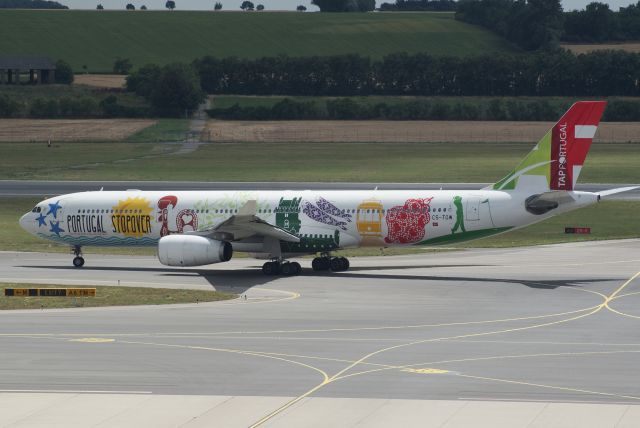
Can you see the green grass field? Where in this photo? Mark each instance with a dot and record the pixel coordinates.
(109, 296)
(164, 131)
(380, 162)
(96, 39)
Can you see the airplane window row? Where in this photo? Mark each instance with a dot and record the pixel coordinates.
(235, 211)
(107, 211)
(111, 211)
(373, 211)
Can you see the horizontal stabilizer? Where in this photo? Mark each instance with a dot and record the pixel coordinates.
(609, 192)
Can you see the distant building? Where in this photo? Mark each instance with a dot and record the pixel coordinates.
(40, 69)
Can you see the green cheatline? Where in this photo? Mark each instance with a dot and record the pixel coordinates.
(464, 236)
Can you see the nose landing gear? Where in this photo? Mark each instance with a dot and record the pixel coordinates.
(78, 260)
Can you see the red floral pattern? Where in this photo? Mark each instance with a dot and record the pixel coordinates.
(406, 223)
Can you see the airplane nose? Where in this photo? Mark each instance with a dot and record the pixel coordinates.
(24, 221)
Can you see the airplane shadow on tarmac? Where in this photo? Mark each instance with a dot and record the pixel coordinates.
(240, 280)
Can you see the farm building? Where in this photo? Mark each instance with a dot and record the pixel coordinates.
(40, 69)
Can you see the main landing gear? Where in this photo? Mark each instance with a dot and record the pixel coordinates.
(278, 267)
(78, 260)
(336, 264)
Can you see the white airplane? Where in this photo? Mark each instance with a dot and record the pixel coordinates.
(194, 228)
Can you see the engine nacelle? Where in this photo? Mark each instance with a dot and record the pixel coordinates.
(192, 250)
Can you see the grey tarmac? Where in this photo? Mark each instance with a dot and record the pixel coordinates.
(52, 188)
(542, 336)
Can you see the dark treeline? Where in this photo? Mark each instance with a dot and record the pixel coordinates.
(345, 5)
(536, 24)
(172, 90)
(31, 4)
(68, 107)
(542, 73)
(533, 24)
(419, 5)
(598, 23)
(351, 109)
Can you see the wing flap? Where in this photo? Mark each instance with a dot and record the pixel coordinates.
(246, 224)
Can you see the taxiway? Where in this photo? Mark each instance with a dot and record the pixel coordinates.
(526, 337)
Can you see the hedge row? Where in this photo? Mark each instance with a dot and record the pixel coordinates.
(80, 107)
(351, 109)
(557, 73)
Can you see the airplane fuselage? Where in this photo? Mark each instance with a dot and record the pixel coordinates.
(323, 220)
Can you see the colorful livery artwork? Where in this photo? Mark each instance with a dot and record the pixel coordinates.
(194, 228)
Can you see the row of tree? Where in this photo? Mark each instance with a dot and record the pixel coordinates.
(172, 90)
(246, 5)
(354, 109)
(420, 6)
(536, 24)
(345, 5)
(31, 4)
(542, 73)
(68, 107)
(598, 23)
(532, 24)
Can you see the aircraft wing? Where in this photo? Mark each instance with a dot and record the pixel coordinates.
(244, 225)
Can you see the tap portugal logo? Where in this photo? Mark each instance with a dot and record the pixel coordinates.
(562, 156)
(132, 217)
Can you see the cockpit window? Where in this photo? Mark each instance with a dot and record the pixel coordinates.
(36, 210)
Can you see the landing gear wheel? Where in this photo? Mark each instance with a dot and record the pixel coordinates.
(290, 268)
(271, 268)
(346, 263)
(78, 261)
(339, 264)
(286, 269)
(296, 268)
(321, 263)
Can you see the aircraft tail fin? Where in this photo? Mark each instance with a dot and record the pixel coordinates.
(555, 162)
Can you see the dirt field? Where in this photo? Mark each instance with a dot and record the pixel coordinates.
(17, 130)
(111, 81)
(400, 131)
(584, 48)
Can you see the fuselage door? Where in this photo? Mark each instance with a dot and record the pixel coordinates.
(473, 209)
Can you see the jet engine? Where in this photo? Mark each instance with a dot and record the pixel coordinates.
(192, 250)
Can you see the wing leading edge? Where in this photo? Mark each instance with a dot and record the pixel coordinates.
(245, 225)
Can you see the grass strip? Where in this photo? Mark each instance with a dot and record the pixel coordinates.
(357, 162)
(109, 296)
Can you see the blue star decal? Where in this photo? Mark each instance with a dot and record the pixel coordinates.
(53, 209)
(55, 228)
(42, 220)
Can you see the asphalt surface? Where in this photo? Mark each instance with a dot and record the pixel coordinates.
(52, 188)
(551, 323)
